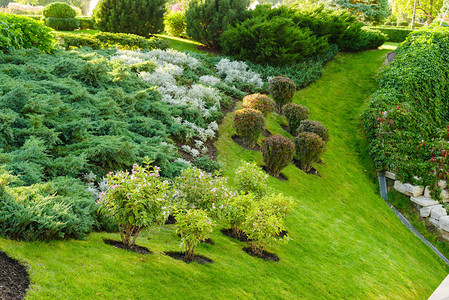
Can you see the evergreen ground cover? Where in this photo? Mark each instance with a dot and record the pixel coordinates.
(345, 241)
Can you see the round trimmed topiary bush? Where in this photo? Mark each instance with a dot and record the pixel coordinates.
(60, 16)
(278, 152)
(249, 123)
(315, 127)
(309, 148)
(259, 102)
(282, 89)
(141, 17)
(294, 114)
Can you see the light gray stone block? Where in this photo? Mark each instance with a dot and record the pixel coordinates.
(408, 189)
(423, 201)
(444, 223)
(390, 175)
(425, 211)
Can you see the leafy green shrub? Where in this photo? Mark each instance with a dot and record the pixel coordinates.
(259, 102)
(59, 10)
(249, 124)
(394, 34)
(206, 20)
(309, 147)
(315, 127)
(194, 226)
(64, 24)
(199, 189)
(135, 201)
(20, 32)
(86, 23)
(263, 226)
(104, 40)
(141, 17)
(175, 23)
(277, 152)
(358, 39)
(249, 178)
(235, 211)
(295, 114)
(274, 41)
(207, 164)
(282, 89)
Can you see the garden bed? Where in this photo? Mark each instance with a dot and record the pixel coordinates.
(14, 278)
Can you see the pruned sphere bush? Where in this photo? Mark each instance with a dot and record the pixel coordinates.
(309, 148)
(295, 114)
(259, 102)
(277, 152)
(282, 89)
(249, 124)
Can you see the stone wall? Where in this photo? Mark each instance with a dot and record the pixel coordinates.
(428, 208)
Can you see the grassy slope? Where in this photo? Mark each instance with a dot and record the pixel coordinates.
(345, 241)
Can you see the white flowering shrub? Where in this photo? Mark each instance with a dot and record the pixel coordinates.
(236, 72)
(209, 80)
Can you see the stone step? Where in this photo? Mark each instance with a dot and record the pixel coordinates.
(408, 189)
(424, 201)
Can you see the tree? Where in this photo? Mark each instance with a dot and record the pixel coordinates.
(367, 11)
(427, 9)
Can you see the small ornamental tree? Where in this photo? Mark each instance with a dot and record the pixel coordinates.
(199, 189)
(282, 89)
(294, 114)
(315, 127)
(259, 102)
(263, 227)
(194, 226)
(235, 211)
(141, 17)
(207, 19)
(309, 147)
(135, 201)
(249, 123)
(60, 16)
(278, 152)
(249, 178)
(175, 23)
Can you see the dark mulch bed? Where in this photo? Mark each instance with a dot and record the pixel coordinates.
(283, 233)
(14, 278)
(208, 49)
(136, 248)
(209, 241)
(281, 176)
(391, 56)
(170, 220)
(266, 256)
(286, 128)
(242, 238)
(266, 133)
(312, 171)
(181, 256)
(239, 141)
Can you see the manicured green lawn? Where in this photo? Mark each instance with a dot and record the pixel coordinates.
(86, 31)
(389, 46)
(180, 44)
(346, 243)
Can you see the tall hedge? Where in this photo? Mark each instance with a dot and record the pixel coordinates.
(207, 19)
(141, 17)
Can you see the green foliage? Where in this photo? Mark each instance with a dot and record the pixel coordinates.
(135, 201)
(103, 40)
(309, 147)
(59, 10)
(194, 226)
(235, 211)
(263, 225)
(282, 89)
(275, 41)
(206, 20)
(406, 118)
(86, 23)
(250, 179)
(82, 5)
(141, 17)
(259, 102)
(199, 189)
(64, 24)
(367, 11)
(315, 127)
(295, 114)
(356, 39)
(20, 32)
(175, 23)
(249, 124)
(394, 34)
(277, 152)
(207, 164)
